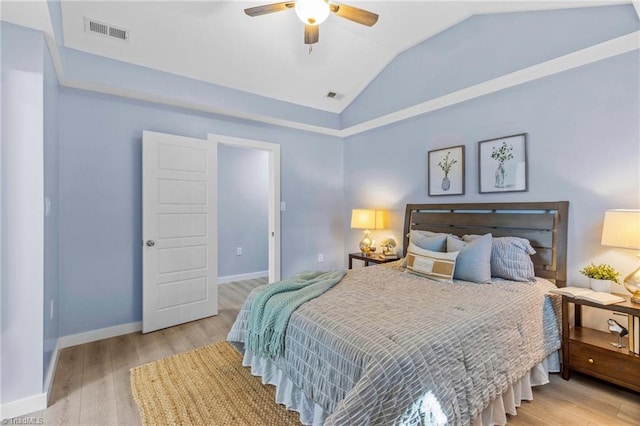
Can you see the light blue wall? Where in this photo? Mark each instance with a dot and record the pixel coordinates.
(51, 185)
(243, 210)
(93, 69)
(100, 155)
(100, 193)
(583, 147)
(482, 48)
(22, 53)
(567, 116)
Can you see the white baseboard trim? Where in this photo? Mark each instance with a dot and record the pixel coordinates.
(250, 276)
(37, 402)
(51, 370)
(102, 333)
(24, 406)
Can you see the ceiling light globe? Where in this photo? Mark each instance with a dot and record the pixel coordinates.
(312, 12)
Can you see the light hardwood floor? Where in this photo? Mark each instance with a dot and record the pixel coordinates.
(91, 385)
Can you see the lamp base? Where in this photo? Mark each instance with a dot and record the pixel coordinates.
(632, 284)
(366, 244)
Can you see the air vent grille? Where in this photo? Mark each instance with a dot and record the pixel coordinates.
(118, 33)
(333, 95)
(96, 27)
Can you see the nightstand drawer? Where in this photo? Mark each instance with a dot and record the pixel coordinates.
(590, 352)
(615, 366)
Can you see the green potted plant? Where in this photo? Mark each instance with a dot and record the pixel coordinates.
(601, 276)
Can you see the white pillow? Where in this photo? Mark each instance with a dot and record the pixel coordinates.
(432, 264)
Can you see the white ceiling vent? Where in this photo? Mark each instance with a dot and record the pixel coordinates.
(96, 27)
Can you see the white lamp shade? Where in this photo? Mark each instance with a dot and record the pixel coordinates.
(312, 12)
(368, 219)
(621, 229)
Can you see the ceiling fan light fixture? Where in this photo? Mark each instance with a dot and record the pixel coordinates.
(312, 12)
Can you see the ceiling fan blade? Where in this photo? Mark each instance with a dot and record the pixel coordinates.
(311, 34)
(269, 8)
(354, 14)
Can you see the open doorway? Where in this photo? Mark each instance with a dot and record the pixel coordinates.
(243, 214)
(248, 208)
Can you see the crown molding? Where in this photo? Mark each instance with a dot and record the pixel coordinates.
(614, 47)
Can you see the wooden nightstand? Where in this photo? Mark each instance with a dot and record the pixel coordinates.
(373, 258)
(589, 351)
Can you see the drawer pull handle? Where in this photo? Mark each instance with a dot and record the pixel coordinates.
(590, 360)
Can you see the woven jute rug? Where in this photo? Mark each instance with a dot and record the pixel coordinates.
(206, 386)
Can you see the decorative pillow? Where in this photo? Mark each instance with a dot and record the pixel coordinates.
(474, 261)
(510, 258)
(431, 264)
(429, 240)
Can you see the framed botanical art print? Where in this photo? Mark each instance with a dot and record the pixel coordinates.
(445, 174)
(502, 164)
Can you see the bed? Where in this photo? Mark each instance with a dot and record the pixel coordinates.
(387, 347)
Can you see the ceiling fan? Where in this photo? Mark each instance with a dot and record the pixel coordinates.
(314, 12)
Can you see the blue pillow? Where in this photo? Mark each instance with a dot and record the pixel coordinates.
(474, 261)
(429, 240)
(510, 258)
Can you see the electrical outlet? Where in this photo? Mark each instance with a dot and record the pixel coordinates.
(47, 206)
(51, 309)
(283, 206)
(239, 251)
(321, 258)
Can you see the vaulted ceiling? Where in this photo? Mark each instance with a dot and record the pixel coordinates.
(216, 42)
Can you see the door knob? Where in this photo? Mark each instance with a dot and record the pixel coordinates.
(151, 243)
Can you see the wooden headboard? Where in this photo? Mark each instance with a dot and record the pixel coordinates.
(542, 223)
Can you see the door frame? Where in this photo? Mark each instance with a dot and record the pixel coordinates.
(273, 150)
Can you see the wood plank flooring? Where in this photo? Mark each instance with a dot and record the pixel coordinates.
(91, 385)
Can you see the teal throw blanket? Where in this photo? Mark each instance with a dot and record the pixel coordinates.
(272, 307)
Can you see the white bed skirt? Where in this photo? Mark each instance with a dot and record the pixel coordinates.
(312, 414)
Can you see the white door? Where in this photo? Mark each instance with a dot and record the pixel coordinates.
(179, 230)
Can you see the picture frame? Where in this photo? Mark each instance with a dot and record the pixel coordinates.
(445, 171)
(503, 165)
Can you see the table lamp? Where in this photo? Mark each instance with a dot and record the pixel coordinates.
(622, 229)
(367, 219)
